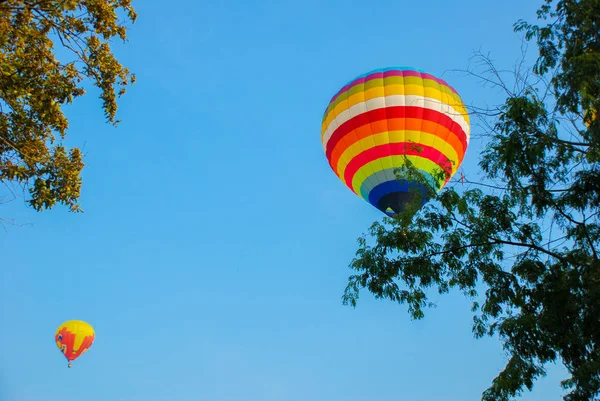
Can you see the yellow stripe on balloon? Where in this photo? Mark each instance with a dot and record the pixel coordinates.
(408, 81)
(387, 137)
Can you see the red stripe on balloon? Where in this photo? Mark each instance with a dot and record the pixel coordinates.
(394, 112)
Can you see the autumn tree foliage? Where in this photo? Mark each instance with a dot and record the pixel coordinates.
(35, 84)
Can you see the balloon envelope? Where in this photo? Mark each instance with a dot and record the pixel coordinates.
(379, 118)
(73, 338)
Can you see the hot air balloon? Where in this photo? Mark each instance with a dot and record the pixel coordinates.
(379, 120)
(73, 338)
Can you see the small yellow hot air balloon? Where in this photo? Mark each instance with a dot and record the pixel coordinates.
(73, 338)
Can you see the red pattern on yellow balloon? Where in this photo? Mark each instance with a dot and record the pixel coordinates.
(73, 338)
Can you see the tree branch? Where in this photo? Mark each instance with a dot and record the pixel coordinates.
(507, 242)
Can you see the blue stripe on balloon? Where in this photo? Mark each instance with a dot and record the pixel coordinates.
(389, 187)
(399, 68)
(383, 176)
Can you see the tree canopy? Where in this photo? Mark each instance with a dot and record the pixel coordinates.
(524, 245)
(34, 84)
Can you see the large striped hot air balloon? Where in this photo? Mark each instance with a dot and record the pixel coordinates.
(73, 338)
(382, 116)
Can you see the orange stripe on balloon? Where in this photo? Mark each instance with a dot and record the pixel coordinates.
(379, 117)
(397, 124)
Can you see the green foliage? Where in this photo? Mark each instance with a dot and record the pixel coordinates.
(526, 251)
(34, 84)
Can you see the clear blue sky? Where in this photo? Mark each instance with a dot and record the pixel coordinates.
(215, 243)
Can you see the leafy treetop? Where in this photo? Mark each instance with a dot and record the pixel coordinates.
(34, 84)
